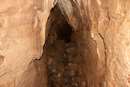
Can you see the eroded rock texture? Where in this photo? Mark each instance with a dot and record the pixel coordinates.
(100, 29)
(22, 36)
(107, 23)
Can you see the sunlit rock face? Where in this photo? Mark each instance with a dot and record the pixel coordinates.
(22, 36)
(100, 27)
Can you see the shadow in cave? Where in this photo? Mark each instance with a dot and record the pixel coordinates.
(65, 33)
(57, 26)
(63, 61)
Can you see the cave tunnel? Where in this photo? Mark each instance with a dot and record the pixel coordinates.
(64, 62)
(64, 43)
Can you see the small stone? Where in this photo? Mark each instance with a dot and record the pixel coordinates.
(72, 50)
(72, 73)
(49, 61)
(59, 74)
(75, 85)
(73, 65)
(83, 84)
(54, 70)
(70, 44)
(51, 39)
(65, 55)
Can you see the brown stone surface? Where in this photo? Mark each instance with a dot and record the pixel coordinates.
(101, 29)
(22, 36)
(107, 21)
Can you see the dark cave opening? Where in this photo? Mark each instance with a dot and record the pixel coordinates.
(57, 26)
(65, 33)
(64, 63)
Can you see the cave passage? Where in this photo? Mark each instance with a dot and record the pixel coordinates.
(63, 61)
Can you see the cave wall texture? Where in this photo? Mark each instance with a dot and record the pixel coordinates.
(101, 29)
(22, 36)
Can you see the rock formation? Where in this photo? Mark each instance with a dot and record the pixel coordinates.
(100, 29)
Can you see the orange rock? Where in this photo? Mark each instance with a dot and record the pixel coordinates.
(1, 22)
(1, 59)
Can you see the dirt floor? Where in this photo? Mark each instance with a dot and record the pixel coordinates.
(64, 65)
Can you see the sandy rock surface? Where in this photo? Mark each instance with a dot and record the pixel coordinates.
(22, 36)
(100, 29)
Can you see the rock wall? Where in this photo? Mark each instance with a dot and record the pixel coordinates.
(107, 23)
(101, 29)
(22, 36)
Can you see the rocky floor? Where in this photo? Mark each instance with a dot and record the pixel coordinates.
(64, 65)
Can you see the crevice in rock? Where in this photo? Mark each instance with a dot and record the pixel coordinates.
(64, 61)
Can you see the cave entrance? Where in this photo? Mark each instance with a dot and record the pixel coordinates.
(63, 61)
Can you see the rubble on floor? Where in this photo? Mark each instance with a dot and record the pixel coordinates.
(64, 65)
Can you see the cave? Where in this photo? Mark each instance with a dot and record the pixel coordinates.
(64, 43)
(64, 62)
